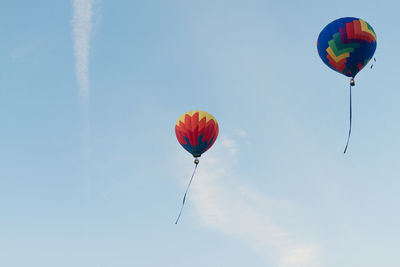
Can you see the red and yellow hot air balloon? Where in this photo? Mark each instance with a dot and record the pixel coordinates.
(196, 131)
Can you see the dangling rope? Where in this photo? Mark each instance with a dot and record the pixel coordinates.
(196, 162)
(348, 138)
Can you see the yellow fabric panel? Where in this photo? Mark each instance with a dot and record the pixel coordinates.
(334, 57)
(202, 114)
(364, 28)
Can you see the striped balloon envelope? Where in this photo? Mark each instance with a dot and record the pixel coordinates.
(346, 45)
(196, 131)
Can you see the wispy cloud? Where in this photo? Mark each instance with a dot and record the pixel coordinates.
(240, 132)
(238, 210)
(82, 26)
(230, 145)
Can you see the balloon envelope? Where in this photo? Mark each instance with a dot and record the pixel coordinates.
(196, 131)
(346, 45)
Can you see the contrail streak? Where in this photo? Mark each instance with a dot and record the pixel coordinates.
(82, 26)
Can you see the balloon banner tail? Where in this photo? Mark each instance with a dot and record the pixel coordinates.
(373, 63)
(187, 189)
(348, 138)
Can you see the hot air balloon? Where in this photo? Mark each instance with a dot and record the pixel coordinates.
(196, 131)
(346, 45)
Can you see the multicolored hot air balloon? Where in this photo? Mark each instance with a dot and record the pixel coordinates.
(346, 45)
(196, 131)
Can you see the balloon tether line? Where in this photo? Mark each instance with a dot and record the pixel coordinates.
(348, 137)
(196, 162)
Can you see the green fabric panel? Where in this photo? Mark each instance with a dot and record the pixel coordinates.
(338, 48)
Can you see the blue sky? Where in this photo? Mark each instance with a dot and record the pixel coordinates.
(91, 173)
